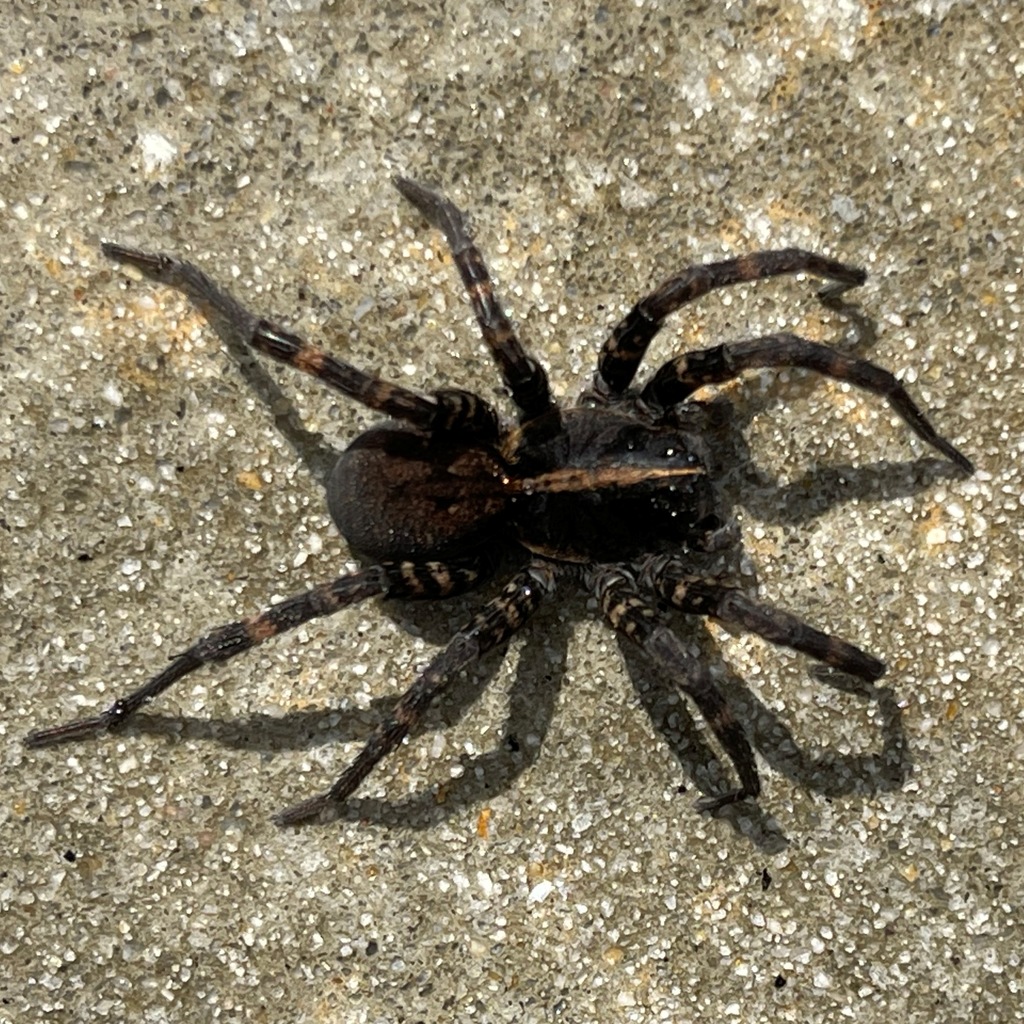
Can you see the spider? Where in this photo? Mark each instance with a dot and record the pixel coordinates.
(609, 494)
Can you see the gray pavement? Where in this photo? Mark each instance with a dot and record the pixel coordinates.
(527, 856)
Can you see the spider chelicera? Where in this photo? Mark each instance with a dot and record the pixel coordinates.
(609, 494)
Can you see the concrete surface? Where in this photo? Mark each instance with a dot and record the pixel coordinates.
(527, 856)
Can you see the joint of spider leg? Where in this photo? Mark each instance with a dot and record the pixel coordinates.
(629, 616)
(624, 611)
(601, 578)
(465, 413)
(834, 291)
(679, 592)
(439, 574)
(278, 343)
(662, 575)
(405, 716)
(528, 381)
(117, 713)
(598, 394)
(650, 407)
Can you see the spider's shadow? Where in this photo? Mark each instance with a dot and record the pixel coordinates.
(533, 694)
(828, 773)
(312, 450)
(743, 483)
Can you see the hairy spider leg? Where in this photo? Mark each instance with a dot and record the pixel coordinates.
(681, 376)
(522, 374)
(668, 577)
(631, 614)
(448, 410)
(393, 580)
(623, 351)
(497, 622)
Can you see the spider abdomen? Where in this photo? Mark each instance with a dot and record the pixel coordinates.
(401, 495)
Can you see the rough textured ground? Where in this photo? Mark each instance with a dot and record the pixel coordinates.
(527, 856)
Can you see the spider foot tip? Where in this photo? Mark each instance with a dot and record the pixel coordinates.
(56, 734)
(962, 463)
(303, 813)
(113, 250)
(834, 294)
(416, 193)
(144, 261)
(864, 666)
(34, 740)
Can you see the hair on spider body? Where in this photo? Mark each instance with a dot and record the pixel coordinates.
(614, 492)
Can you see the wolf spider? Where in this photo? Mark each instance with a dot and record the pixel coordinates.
(609, 493)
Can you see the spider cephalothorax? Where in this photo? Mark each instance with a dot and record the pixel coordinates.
(613, 492)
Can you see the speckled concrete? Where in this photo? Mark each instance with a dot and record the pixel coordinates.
(527, 857)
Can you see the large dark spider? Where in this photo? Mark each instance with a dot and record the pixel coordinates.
(610, 493)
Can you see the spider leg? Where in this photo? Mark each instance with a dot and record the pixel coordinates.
(499, 620)
(522, 374)
(395, 580)
(624, 350)
(666, 575)
(680, 377)
(630, 614)
(450, 410)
